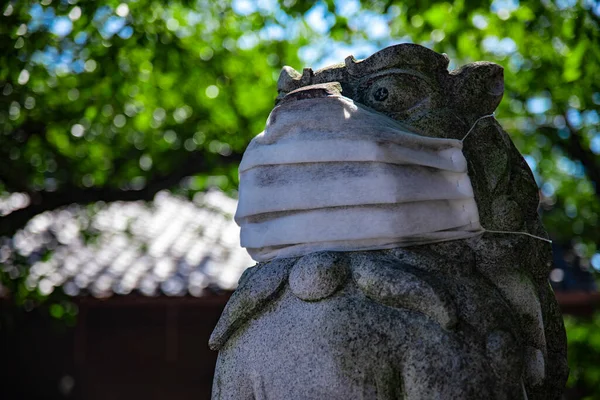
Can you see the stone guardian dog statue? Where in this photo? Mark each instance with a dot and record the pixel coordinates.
(400, 252)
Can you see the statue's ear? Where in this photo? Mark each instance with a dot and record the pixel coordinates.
(290, 80)
(477, 88)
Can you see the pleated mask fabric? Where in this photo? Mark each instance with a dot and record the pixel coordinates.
(329, 174)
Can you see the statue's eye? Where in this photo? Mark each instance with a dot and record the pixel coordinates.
(381, 94)
(394, 94)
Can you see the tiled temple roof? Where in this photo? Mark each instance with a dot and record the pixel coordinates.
(170, 246)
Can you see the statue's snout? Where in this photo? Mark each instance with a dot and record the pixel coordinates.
(313, 92)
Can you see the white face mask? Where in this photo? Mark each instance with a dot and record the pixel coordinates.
(328, 174)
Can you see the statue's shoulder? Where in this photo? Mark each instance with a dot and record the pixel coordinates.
(256, 287)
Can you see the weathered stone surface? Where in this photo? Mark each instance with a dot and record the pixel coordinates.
(464, 319)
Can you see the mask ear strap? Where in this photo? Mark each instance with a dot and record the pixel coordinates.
(520, 233)
(475, 123)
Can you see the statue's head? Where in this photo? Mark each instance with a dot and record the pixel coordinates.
(412, 84)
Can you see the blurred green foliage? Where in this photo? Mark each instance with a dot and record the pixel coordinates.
(109, 100)
(583, 337)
